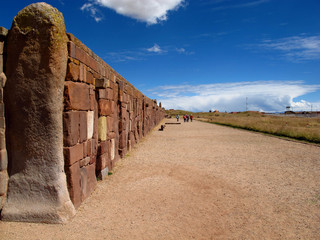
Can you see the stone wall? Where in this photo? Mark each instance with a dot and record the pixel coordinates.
(3, 151)
(102, 116)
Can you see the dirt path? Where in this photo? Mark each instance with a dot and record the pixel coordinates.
(199, 181)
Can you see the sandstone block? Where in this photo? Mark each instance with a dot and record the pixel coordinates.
(73, 72)
(110, 124)
(73, 154)
(103, 173)
(71, 123)
(106, 107)
(76, 96)
(112, 149)
(102, 128)
(88, 180)
(90, 124)
(102, 162)
(122, 141)
(89, 78)
(84, 162)
(74, 183)
(36, 70)
(103, 148)
(83, 73)
(102, 83)
(71, 49)
(83, 126)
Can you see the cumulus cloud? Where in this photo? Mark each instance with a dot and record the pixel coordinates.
(149, 11)
(270, 96)
(155, 49)
(295, 48)
(93, 11)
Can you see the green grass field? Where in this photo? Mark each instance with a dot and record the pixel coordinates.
(306, 129)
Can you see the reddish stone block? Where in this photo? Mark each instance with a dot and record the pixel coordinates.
(72, 49)
(74, 183)
(71, 122)
(76, 96)
(88, 180)
(106, 107)
(101, 162)
(110, 124)
(80, 54)
(83, 126)
(73, 154)
(83, 73)
(111, 135)
(103, 148)
(85, 161)
(122, 140)
(102, 93)
(73, 72)
(85, 148)
(89, 78)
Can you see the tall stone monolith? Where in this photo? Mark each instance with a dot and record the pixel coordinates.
(36, 69)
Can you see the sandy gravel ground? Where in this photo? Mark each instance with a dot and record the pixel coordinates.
(199, 181)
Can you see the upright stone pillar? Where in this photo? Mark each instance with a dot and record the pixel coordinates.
(36, 69)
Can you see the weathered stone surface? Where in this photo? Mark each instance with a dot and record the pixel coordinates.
(103, 173)
(3, 32)
(73, 154)
(102, 83)
(72, 71)
(112, 149)
(76, 96)
(83, 126)
(1, 47)
(85, 161)
(102, 128)
(90, 124)
(36, 69)
(3, 182)
(3, 80)
(3, 159)
(88, 180)
(1, 63)
(71, 132)
(74, 183)
(106, 107)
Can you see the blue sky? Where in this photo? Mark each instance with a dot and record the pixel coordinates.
(203, 55)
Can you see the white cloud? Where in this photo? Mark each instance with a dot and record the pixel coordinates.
(241, 5)
(262, 96)
(94, 12)
(149, 11)
(155, 49)
(295, 48)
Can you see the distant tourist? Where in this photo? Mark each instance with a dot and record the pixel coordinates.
(177, 117)
(185, 118)
(191, 117)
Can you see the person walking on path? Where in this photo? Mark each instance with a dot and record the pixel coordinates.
(177, 117)
(191, 117)
(184, 118)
